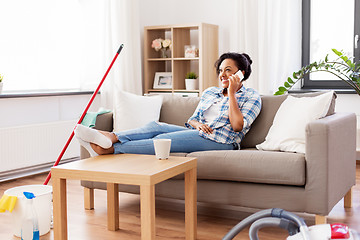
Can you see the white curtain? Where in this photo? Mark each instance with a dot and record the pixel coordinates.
(270, 32)
(122, 27)
(51, 45)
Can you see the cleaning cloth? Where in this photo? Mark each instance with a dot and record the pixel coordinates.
(7, 203)
(90, 117)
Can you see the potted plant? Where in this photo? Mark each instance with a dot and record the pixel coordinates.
(1, 82)
(191, 81)
(343, 67)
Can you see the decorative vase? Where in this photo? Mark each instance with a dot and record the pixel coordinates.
(192, 84)
(163, 53)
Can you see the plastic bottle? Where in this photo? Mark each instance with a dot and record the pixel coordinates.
(29, 224)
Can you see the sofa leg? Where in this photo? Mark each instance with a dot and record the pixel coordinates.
(319, 219)
(348, 199)
(88, 198)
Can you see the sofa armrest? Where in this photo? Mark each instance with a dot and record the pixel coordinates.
(103, 122)
(330, 160)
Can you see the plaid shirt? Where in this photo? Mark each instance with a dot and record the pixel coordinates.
(249, 103)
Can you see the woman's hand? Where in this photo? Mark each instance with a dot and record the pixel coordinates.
(234, 84)
(201, 127)
(235, 116)
(205, 128)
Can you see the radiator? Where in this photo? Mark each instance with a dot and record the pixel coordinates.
(24, 147)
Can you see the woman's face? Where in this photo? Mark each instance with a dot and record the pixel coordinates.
(226, 69)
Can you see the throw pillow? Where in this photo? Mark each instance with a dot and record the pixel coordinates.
(287, 132)
(133, 111)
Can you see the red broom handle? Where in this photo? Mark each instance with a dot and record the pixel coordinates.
(84, 113)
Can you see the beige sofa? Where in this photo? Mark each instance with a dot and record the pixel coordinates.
(311, 183)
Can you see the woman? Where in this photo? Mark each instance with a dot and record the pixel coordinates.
(221, 120)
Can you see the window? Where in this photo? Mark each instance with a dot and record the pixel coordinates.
(329, 24)
(51, 44)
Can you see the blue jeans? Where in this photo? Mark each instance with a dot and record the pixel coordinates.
(140, 140)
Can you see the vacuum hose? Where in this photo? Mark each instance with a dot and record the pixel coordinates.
(272, 222)
(271, 217)
(247, 221)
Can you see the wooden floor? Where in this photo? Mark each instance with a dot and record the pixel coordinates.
(91, 224)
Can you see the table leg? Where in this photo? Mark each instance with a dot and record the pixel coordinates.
(147, 203)
(112, 206)
(59, 208)
(190, 205)
(88, 198)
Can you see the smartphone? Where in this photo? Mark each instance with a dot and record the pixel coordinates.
(240, 74)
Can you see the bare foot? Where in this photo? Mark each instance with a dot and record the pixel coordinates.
(102, 151)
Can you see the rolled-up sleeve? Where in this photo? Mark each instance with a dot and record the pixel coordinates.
(250, 109)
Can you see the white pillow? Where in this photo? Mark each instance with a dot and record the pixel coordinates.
(133, 111)
(288, 130)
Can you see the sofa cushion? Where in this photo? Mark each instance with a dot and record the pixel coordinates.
(331, 110)
(262, 124)
(177, 109)
(270, 105)
(287, 132)
(133, 111)
(251, 165)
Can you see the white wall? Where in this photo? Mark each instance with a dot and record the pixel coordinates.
(165, 12)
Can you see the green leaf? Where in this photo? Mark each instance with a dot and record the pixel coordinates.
(357, 68)
(279, 93)
(290, 80)
(282, 89)
(286, 84)
(350, 64)
(295, 75)
(326, 58)
(336, 52)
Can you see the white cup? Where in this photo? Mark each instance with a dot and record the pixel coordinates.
(162, 148)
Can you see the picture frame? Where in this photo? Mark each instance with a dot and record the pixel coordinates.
(190, 51)
(163, 80)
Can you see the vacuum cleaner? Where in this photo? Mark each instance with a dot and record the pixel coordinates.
(296, 227)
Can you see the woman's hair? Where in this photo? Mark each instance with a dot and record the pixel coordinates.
(242, 61)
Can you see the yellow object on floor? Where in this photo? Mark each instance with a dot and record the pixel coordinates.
(7, 203)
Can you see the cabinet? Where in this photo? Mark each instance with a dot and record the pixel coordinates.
(203, 36)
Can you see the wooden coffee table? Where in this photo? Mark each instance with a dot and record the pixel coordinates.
(132, 169)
